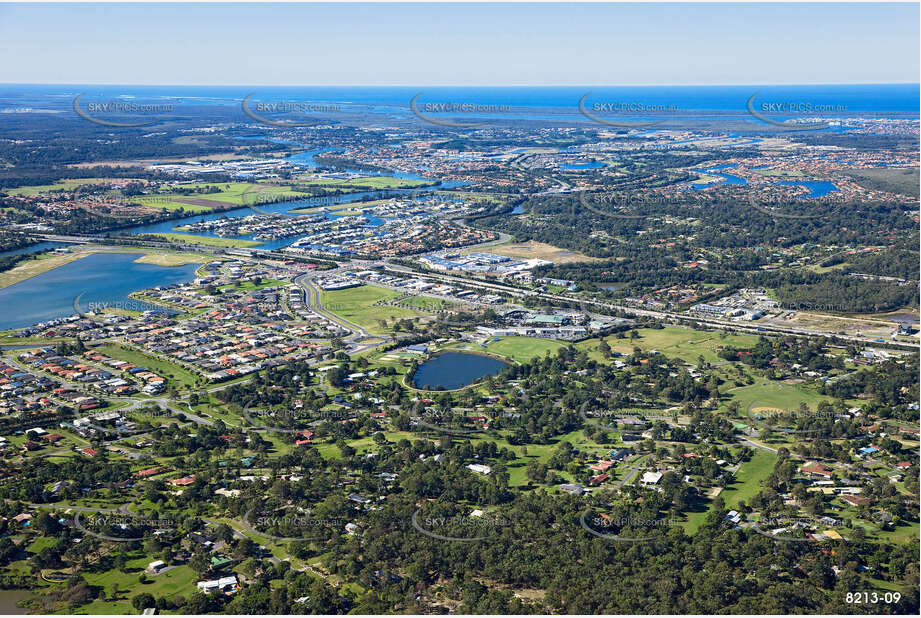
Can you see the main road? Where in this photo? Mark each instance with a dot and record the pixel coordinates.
(312, 300)
(662, 315)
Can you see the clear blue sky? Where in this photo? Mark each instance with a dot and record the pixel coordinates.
(459, 44)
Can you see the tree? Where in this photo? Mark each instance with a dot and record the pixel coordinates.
(143, 600)
(605, 349)
(200, 563)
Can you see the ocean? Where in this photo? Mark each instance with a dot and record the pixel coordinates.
(838, 98)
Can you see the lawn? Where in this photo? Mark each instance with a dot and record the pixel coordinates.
(251, 285)
(67, 184)
(357, 305)
(747, 484)
(749, 478)
(683, 343)
(231, 194)
(180, 580)
(175, 374)
(773, 394)
(523, 349)
(171, 203)
(173, 259)
(424, 303)
(213, 241)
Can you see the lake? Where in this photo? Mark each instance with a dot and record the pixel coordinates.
(817, 188)
(728, 179)
(100, 277)
(455, 369)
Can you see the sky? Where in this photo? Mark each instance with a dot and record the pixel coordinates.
(459, 44)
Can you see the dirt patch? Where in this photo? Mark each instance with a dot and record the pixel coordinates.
(532, 249)
(765, 411)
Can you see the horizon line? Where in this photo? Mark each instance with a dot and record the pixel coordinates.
(416, 85)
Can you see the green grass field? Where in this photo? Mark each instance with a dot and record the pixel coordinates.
(233, 193)
(523, 349)
(749, 478)
(180, 580)
(213, 241)
(357, 305)
(67, 184)
(775, 395)
(175, 374)
(683, 343)
(747, 484)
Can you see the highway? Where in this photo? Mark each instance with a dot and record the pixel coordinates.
(661, 315)
(312, 294)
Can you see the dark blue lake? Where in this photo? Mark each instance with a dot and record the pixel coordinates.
(101, 278)
(817, 188)
(728, 179)
(455, 369)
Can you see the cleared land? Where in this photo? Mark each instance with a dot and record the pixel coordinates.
(532, 249)
(67, 184)
(41, 264)
(173, 259)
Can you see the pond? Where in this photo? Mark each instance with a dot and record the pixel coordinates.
(452, 370)
(9, 599)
